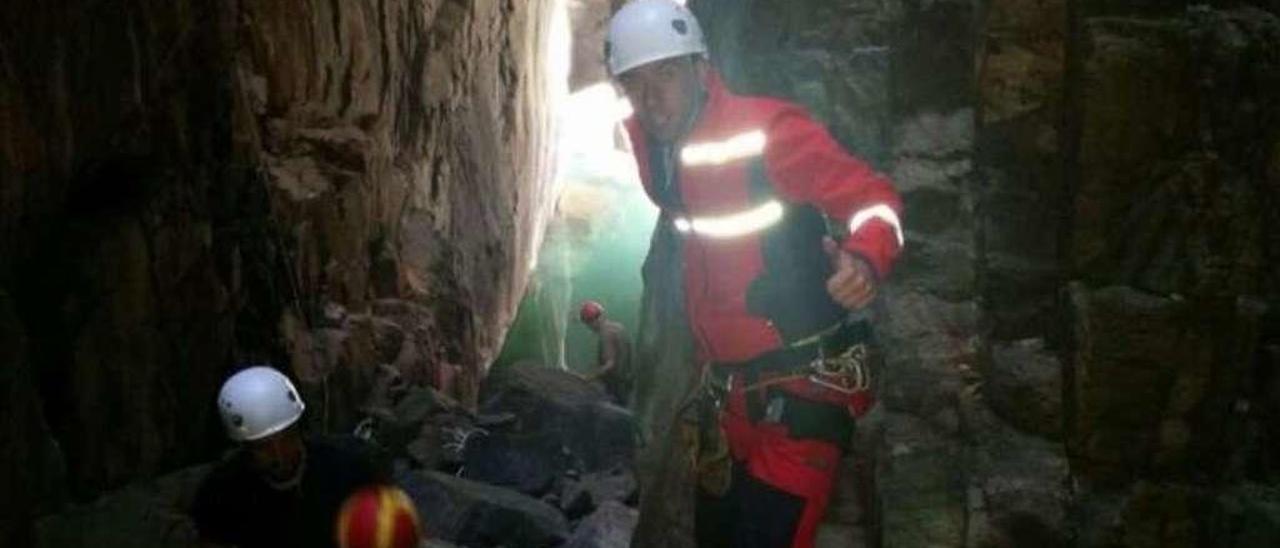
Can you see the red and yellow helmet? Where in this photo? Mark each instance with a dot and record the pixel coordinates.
(381, 516)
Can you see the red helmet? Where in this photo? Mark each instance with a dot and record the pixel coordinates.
(378, 517)
(590, 311)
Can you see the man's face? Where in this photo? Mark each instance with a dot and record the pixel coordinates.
(277, 456)
(663, 94)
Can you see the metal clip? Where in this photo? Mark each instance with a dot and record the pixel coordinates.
(846, 373)
(773, 412)
(365, 428)
(716, 391)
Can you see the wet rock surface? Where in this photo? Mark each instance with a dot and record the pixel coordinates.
(475, 514)
(529, 464)
(610, 526)
(600, 436)
(1018, 491)
(1024, 387)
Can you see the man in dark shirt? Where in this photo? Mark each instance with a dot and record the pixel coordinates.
(278, 489)
(613, 355)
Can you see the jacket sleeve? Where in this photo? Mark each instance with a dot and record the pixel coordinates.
(805, 164)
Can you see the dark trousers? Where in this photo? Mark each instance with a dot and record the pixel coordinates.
(751, 514)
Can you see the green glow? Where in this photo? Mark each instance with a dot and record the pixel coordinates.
(595, 244)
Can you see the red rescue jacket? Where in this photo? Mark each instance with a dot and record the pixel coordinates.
(753, 188)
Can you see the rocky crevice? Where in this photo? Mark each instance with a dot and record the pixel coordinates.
(185, 187)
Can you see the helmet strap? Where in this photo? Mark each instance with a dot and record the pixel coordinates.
(293, 481)
(697, 101)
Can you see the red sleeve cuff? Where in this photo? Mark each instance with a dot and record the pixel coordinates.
(877, 243)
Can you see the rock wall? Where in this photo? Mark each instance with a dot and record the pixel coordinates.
(590, 22)
(1171, 198)
(1082, 331)
(188, 186)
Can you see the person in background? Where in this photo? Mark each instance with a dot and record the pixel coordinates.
(613, 354)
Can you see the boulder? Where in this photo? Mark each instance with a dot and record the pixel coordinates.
(528, 463)
(610, 526)
(593, 490)
(474, 514)
(146, 514)
(575, 501)
(598, 434)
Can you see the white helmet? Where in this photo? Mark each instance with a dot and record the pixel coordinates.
(257, 402)
(644, 31)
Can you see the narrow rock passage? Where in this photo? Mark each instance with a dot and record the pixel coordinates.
(1082, 334)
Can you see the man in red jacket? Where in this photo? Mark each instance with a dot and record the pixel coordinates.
(778, 235)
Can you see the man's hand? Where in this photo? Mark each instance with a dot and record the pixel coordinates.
(854, 284)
